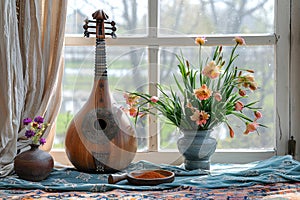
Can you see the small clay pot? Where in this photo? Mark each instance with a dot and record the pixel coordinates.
(34, 164)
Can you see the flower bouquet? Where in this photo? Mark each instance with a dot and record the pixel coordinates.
(34, 164)
(35, 129)
(205, 95)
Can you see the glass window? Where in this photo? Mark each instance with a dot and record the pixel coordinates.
(131, 16)
(130, 60)
(216, 17)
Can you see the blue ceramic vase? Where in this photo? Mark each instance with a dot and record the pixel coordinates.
(197, 147)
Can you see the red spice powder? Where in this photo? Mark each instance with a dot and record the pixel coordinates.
(150, 175)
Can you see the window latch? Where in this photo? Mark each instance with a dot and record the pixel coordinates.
(292, 146)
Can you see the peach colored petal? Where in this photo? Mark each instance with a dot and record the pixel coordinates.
(239, 40)
(251, 127)
(258, 114)
(200, 40)
(218, 96)
(203, 92)
(238, 106)
(154, 99)
(200, 117)
(132, 111)
(131, 99)
(211, 70)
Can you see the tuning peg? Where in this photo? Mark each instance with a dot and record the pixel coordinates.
(113, 23)
(111, 28)
(112, 34)
(88, 21)
(86, 26)
(100, 18)
(86, 34)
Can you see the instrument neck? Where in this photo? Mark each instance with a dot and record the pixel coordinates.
(100, 60)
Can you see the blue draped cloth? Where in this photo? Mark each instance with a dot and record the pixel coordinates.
(273, 170)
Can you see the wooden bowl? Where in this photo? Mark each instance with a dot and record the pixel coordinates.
(133, 177)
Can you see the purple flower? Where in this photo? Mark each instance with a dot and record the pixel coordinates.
(39, 119)
(42, 141)
(27, 121)
(29, 133)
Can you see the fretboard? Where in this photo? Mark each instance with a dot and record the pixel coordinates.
(100, 60)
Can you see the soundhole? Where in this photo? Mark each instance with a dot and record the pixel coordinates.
(100, 124)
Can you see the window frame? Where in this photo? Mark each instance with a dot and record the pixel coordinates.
(281, 40)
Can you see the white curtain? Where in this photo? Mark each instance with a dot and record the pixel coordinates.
(31, 42)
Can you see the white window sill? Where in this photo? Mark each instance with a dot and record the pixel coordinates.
(174, 158)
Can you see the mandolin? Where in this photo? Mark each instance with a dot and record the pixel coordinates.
(100, 138)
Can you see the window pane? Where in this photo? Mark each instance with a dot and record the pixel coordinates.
(128, 66)
(216, 17)
(130, 16)
(127, 70)
(258, 58)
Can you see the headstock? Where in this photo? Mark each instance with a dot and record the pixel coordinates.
(100, 18)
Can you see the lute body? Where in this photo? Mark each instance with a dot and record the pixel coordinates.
(100, 138)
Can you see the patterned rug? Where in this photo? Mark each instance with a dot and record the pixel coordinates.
(274, 178)
(271, 191)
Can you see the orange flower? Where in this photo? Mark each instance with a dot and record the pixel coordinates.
(239, 40)
(249, 78)
(132, 111)
(251, 127)
(248, 81)
(238, 106)
(200, 117)
(211, 70)
(200, 40)
(202, 93)
(253, 86)
(131, 99)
